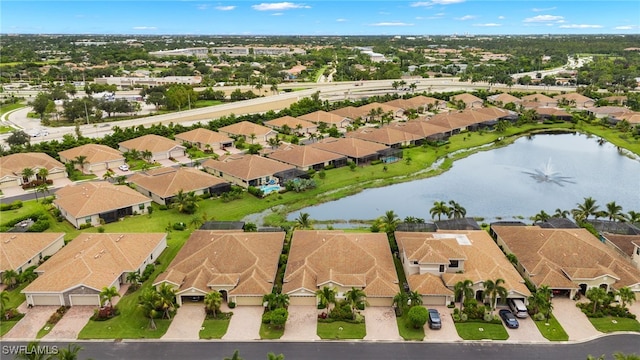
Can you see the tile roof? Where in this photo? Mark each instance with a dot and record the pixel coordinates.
(247, 261)
(151, 142)
(428, 284)
(323, 116)
(246, 167)
(291, 122)
(13, 164)
(95, 153)
(420, 127)
(422, 100)
(203, 136)
(94, 260)
(350, 112)
(573, 252)
(166, 182)
(351, 147)
(303, 156)
(18, 248)
(246, 128)
(387, 135)
(623, 242)
(466, 98)
(578, 98)
(505, 98)
(365, 109)
(361, 260)
(549, 111)
(90, 198)
(541, 99)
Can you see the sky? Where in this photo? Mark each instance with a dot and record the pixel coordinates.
(352, 17)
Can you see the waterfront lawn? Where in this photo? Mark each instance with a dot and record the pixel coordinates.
(552, 330)
(214, 328)
(270, 332)
(609, 324)
(340, 330)
(473, 330)
(406, 330)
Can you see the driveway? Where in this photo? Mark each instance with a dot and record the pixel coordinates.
(448, 331)
(302, 324)
(245, 323)
(187, 323)
(381, 323)
(527, 331)
(635, 308)
(31, 323)
(71, 323)
(574, 322)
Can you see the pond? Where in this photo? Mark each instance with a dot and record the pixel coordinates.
(542, 172)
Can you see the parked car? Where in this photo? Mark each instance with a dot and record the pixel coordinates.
(434, 319)
(124, 167)
(509, 319)
(518, 308)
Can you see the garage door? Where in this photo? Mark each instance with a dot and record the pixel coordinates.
(249, 300)
(434, 300)
(46, 300)
(385, 301)
(160, 156)
(303, 300)
(77, 300)
(98, 167)
(177, 153)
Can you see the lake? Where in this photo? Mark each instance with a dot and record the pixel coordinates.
(544, 172)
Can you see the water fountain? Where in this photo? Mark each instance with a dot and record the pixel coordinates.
(547, 174)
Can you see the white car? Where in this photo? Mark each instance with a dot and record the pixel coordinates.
(124, 167)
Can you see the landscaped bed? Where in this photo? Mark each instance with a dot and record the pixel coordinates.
(472, 330)
(407, 331)
(271, 332)
(214, 328)
(552, 330)
(341, 330)
(6, 325)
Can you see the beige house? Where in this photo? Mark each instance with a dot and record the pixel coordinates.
(160, 147)
(537, 100)
(421, 128)
(307, 157)
(99, 202)
(452, 256)
(246, 170)
(341, 261)
(77, 273)
(427, 103)
(575, 100)
(252, 133)
(567, 260)
(366, 111)
(626, 245)
(357, 150)
(470, 101)
(503, 99)
(98, 157)
(162, 184)
(205, 139)
(20, 251)
(241, 266)
(328, 118)
(349, 112)
(295, 125)
(388, 136)
(11, 167)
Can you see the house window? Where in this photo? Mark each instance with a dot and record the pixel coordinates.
(415, 262)
(638, 251)
(87, 219)
(441, 268)
(151, 256)
(453, 263)
(141, 206)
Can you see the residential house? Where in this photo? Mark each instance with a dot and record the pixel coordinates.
(252, 133)
(330, 119)
(575, 100)
(294, 125)
(626, 245)
(452, 256)
(423, 129)
(388, 136)
(205, 140)
(427, 103)
(470, 101)
(12, 166)
(99, 202)
(359, 151)
(349, 112)
(616, 99)
(97, 157)
(77, 273)
(538, 100)
(22, 250)
(567, 260)
(307, 157)
(341, 261)
(503, 99)
(367, 112)
(247, 170)
(241, 266)
(163, 184)
(545, 113)
(160, 147)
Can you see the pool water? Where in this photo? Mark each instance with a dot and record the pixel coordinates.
(267, 189)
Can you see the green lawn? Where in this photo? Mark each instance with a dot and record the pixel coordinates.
(205, 103)
(214, 329)
(45, 330)
(472, 330)
(6, 325)
(10, 107)
(609, 324)
(15, 297)
(5, 129)
(552, 330)
(340, 330)
(270, 332)
(406, 330)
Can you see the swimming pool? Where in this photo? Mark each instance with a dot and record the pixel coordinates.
(267, 189)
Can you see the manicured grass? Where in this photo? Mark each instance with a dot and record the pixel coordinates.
(10, 107)
(340, 330)
(45, 330)
(472, 330)
(15, 297)
(609, 324)
(270, 332)
(5, 129)
(406, 330)
(552, 330)
(205, 103)
(6, 325)
(214, 329)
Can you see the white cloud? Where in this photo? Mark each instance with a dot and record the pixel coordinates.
(488, 25)
(466, 17)
(277, 14)
(501, 17)
(391, 24)
(279, 6)
(341, 20)
(580, 26)
(145, 28)
(541, 10)
(626, 27)
(435, 2)
(225, 8)
(545, 18)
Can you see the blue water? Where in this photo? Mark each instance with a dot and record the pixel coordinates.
(267, 189)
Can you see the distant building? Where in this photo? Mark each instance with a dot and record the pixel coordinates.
(198, 52)
(123, 81)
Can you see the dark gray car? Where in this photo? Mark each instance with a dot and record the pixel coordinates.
(434, 319)
(509, 319)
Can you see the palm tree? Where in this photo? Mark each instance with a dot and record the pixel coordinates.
(326, 296)
(439, 208)
(542, 216)
(81, 160)
(185, 202)
(69, 353)
(28, 275)
(167, 299)
(108, 175)
(303, 221)
(390, 221)
(4, 299)
(107, 294)
(356, 298)
(274, 142)
(30, 352)
(414, 298)
(10, 278)
(495, 290)
(27, 173)
(400, 300)
(148, 300)
(212, 302)
(627, 296)
(597, 296)
(633, 216)
(586, 209)
(133, 278)
(456, 210)
(272, 356)
(614, 211)
(463, 290)
(147, 155)
(561, 213)
(281, 301)
(235, 356)
(42, 188)
(42, 174)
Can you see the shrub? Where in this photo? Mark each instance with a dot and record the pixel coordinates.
(85, 226)
(232, 305)
(539, 316)
(464, 317)
(488, 317)
(257, 192)
(161, 207)
(418, 316)
(13, 206)
(100, 229)
(179, 226)
(39, 226)
(148, 271)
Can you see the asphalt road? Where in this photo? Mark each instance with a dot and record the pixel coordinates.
(156, 350)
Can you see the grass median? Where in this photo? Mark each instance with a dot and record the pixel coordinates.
(340, 330)
(551, 329)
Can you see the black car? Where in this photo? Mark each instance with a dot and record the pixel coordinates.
(509, 319)
(434, 319)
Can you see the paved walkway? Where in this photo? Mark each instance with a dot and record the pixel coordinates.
(187, 323)
(381, 323)
(574, 322)
(527, 331)
(302, 324)
(31, 323)
(448, 331)
(635, 308)
(71, 323)
(245, 323)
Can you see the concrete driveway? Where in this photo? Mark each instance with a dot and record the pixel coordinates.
(528, 331)
(448, 331)
(302, 324)
(33, 320)
(635, 308)
(187, 322)
(381, 323)
(71, 323)
(574, 322)
(245, 323)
